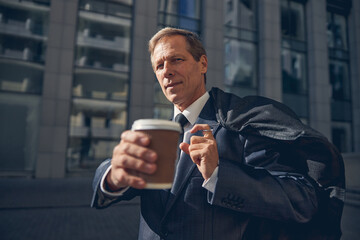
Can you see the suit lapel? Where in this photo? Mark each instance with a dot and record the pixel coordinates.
(186, 166)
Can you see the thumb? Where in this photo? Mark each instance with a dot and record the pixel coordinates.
(185, 147)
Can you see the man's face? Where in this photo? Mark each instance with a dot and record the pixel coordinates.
(181, 77)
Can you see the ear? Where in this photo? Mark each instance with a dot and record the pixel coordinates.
(204, 63)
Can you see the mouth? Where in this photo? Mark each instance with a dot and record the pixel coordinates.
(171, 85)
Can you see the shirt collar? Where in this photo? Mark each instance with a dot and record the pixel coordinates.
(193, 111)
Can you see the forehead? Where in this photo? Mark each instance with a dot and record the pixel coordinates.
(169, 46)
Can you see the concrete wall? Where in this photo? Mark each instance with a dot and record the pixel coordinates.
(142, 76)
(57, 88)
(213, 39)
(354, 42)
(270, 82)
(318, 73)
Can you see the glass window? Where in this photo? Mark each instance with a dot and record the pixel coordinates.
(245, 17)
(19, 127)
(341, 136)
(23, 31)
(293, 57)
(113, 86)
(240, 47)
(339, 79)
(241, 23)
(95, 128)
(163, 108)
(23, 36)
(293, 72)
(292, 20)
(39, 2)
(180, 13)
(103, 42)
(341, 109)
(330, 34)
(339, 67)
(101, 82)
(229, 6)
(336, 31)
(240, 59)
(339, 57)
(18, 76)
(121, 8)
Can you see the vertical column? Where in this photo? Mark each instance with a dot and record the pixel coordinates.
(270, 82)
(318, 67)
(213, 40)
(142, 76)
(354, 41)
(57, 90)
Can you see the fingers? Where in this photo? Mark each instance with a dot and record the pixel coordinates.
(138, 138)
(133, 163)
(185, 147)
(131, 158)
(121, 178)
(199, 151)
(196, 151)
(205, 128)
(204, 155)
(133, 151)
(207, 135)
(135, 144)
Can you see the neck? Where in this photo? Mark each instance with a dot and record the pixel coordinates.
(184, 106)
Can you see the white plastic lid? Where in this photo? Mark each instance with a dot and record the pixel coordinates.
(152, 124)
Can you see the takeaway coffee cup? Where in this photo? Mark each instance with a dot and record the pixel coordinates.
(164, 137)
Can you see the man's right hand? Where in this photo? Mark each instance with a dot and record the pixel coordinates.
(131, 157)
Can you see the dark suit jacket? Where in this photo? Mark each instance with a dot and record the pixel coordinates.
(263, 191)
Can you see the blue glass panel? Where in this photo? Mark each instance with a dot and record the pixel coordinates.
(180, 13)
(298, 103)
(339, 80)
(341, 111)
(293, 72)
(240, 64)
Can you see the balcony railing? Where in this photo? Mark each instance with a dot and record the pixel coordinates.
(118, 44)
(24, 29)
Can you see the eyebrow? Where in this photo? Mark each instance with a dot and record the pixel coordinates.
(175, 56)
(171, 57)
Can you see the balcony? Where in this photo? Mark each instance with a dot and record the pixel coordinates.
(117, 67)
(23, 29)
(118, 44)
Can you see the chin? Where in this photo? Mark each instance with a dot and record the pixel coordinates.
(174, 99)
(171, 96)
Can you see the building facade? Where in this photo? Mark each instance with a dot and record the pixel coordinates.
(75, 73)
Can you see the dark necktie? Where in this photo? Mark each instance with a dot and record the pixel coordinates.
(180, 118)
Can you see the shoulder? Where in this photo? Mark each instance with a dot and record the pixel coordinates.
(258, 115)
(230, 102)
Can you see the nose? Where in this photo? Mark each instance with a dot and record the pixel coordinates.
(168, 69)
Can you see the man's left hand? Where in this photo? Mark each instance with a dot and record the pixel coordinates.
(202, 150)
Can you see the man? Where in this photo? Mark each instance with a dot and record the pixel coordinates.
(258, 174)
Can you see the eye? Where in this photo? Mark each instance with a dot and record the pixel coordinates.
(159, 66)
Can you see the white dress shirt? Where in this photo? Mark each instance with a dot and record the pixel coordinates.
(192, 113)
